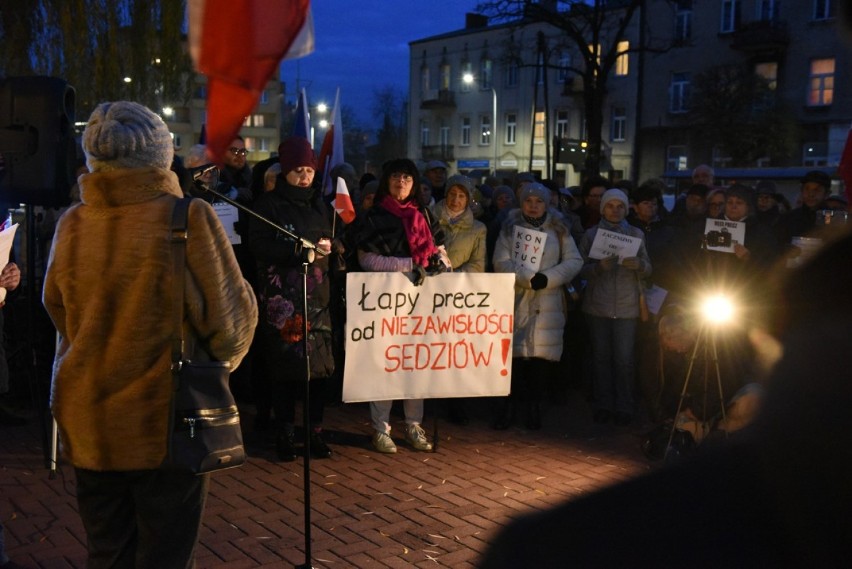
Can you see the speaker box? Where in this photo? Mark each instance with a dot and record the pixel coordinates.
(37, 140)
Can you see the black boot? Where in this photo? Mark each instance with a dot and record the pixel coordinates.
(285, 448)
(318, 447)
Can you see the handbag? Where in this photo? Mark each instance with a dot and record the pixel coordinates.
(204, 427)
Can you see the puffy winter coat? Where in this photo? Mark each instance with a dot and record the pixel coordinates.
(539, 314)
(464, 240)
(109, 289)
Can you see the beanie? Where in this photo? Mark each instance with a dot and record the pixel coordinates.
(614, 194)
(462, 182)
(124, 134)
(295, 152)
(743, 192)
(535, 189)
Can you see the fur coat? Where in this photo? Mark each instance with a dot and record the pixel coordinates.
(108, 289)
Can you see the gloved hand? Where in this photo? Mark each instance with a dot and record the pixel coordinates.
(607, 264)
(632, 263)
(539, 281)
(435, 266)
(417, 275)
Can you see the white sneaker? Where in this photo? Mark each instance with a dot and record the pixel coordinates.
(416, 437)
(383, 443)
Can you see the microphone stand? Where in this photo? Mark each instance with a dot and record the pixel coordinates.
(309, 251)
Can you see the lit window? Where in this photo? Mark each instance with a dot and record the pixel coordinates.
(676, 158)
(768, 71)
(821, 82)
(538, 128)
(621, 62)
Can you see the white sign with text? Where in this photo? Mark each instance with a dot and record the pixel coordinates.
(612, 244)
(528, 247)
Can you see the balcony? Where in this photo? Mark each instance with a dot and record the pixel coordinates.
(438, 99)
(762, 37)
(442, 152)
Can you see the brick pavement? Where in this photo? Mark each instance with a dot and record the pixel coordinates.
(368, 510)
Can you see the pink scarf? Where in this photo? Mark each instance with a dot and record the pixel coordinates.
(417, 230)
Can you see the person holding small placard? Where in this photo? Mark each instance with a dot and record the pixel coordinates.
(535, 243)
(615, 260)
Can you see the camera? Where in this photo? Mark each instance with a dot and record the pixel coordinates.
(719, 238)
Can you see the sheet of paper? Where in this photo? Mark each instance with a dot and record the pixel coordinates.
(228, 215)
(654, 298)
(722, 235)
(612, 244)
(528, 247)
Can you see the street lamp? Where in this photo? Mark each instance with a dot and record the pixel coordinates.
(469, 79)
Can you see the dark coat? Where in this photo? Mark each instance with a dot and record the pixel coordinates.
(279, 265)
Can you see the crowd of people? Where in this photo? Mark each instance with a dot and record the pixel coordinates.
(614, 325)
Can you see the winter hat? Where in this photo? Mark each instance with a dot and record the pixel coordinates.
(745, 193)
(535, 189)
(124, 134)
(646, 193)
(614, 194)
(295, 152)
(370, 188)
(698, 190)
(765, 187)
(463, 182)
(504, 190)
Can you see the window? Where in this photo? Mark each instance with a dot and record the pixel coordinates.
(257, 120)
(466, 70)
(563, 71)
(465, 131)
(815, 154)
(676, 158)
(767, 10)
(424, 79)
(424, 133)
(538, 127)
(823, 9)
(621, 61)
(445, 76)
(511, 77)
(445, 136)
(511, 127)
(264, 96)
(247, 121)
(485, 74)
(485, 130)
(683, 21)
(730, 16)
(821, 82)
(618, 124)
(679, 93)
(561, 124)
(263, 144)
(768, 71)
(539, 69)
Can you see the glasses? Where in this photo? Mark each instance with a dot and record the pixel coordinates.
(401, 176)
(238, 151)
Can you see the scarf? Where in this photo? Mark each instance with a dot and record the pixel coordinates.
(417, 230)
(535, 221)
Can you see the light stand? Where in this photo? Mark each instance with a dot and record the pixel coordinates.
(707, 339)
(309, 251)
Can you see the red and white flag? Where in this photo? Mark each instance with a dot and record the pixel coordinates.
(343, 202)
(331, 152)
(238, 44)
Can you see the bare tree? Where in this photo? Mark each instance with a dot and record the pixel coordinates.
(389, 113)
(594, 28)
(107, 50)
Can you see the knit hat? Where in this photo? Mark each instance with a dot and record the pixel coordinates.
(463, 182)
(698, 190)
(295, 152)
(504, 190)
(124, 134)
(614, 194)
(535, 189)
(646, 193)
(765, 187)
(745, 193)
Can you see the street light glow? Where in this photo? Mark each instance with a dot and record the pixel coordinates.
(322, 107)
(168, 111)
(468, 78)
(323, 123)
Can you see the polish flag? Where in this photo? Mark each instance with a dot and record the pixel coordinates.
(343, 202)
(331, 152)
(238, 45)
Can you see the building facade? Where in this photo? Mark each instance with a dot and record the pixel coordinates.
(650, 127)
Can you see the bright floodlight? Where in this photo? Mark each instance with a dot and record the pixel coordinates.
(717, 309)
(322, 107)
(467, 78)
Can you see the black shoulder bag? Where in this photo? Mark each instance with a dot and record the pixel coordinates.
(204, 432)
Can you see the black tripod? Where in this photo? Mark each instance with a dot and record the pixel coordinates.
(309, 251)
(706, 339)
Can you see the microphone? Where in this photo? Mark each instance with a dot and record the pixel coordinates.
(200, 171)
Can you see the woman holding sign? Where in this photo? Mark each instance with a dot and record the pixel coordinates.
(535, 243)
(615, 260)
(399, 234)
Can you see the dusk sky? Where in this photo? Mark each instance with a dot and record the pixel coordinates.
(363, 46)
